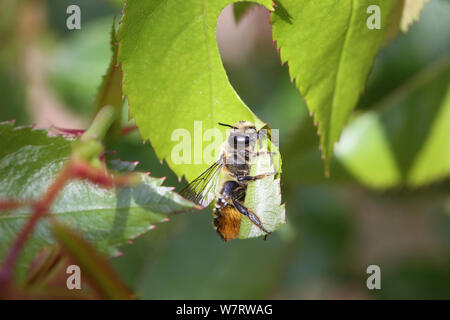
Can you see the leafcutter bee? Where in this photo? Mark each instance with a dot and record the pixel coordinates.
(227, 180)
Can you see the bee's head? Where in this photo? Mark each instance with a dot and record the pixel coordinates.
(243, 133)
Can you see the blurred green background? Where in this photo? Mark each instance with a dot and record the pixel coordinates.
(336, 227)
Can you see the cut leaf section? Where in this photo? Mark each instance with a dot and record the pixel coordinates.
(29, 162)
(263, 196)
(330, 65)
(174, 76)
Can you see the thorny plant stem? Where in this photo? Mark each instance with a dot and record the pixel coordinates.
(78, 166)
(101, 124)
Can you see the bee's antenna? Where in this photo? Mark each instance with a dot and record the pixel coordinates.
(227, 125)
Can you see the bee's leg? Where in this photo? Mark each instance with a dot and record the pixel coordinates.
(257, 177)
(251, 215)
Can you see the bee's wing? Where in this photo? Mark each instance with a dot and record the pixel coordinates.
(202, 189)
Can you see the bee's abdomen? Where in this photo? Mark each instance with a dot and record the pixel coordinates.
(227, 220)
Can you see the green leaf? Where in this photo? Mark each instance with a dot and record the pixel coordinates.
(29, 162)
(407, 139)
(173, 76)
(402, 141)
(329, 64)
(173, 73)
